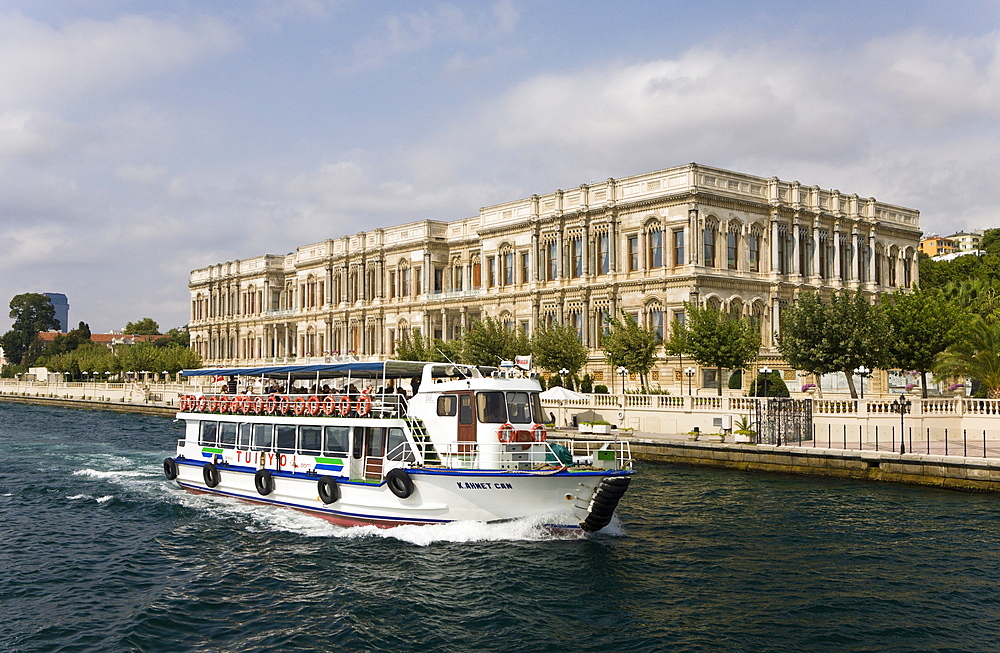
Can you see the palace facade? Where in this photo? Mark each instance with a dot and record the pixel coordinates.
(643, 244)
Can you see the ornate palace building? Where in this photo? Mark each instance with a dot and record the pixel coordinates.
(642, 244)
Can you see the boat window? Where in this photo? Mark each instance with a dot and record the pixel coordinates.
(227, 433)
(244, 439)
(397, 448)
(337, 440)
(447, 406)
(376, 442)
(262, 437)
(358, 446)
(518, 408)
(284, 437)
(536, 409)
(465, 409)
(209, 433)
(310, 438)
(492, 408)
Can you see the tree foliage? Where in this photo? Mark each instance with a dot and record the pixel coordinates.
(837, 336)
(628, 345)
(975, 354)
(489, 342)
(556, 347)
(416, 347)
(920, 325)
(147, 326)
(714, 339)
(32, 313)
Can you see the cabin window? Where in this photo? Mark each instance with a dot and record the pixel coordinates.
(209, 433)
(262, 437)
(336, 440)
(376, 441)
(284, 436)
(358, 445)
(536, 408)
(492, 408)
(397, 448)
(244, 438)
(227, 433)
(518, 409)
(447, 406)
(310, 438)
(465, 409)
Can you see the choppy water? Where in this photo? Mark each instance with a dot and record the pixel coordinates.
(99, 553)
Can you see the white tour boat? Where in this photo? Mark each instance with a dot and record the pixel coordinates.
(470, 444)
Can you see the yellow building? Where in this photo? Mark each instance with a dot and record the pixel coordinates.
(644, 244)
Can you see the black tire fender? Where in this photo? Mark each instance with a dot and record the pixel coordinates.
(170, 468)
(329, 491)
(211, 474)
(399, 483)
(264, 482)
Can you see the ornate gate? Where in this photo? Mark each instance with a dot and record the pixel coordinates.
(784, 421)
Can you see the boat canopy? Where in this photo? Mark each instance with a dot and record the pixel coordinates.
(370, 370)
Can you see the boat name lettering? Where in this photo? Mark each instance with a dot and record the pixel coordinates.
(462, 485)
(263, 457)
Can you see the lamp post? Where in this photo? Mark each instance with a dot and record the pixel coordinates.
(863, 372)
(689, 373)
(902, 406)
(764, 373)
(622, 371)
(562, 376)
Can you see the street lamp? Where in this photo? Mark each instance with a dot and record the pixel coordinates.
(863, 372)
(689, 373)
(622, 371)
(562, 376)
(764, 373)
(902, 406)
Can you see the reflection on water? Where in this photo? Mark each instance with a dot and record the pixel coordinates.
(100, 553)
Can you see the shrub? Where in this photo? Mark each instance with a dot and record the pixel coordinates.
(600, 389)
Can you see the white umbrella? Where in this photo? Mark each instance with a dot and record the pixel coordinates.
(560, 393)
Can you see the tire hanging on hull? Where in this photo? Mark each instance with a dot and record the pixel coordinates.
(605, 500)
(170, 468)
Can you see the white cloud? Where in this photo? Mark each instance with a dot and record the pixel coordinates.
(40, 63)
(413, 32)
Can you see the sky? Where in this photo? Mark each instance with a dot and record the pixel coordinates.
(142, 140)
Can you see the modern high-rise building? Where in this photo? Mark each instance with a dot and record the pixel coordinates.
(61, 304)
(643, 244)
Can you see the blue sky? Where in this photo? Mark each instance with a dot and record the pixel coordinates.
(141, 140)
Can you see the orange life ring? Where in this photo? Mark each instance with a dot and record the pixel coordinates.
(182, 404)
(235, 403)
(343, 405)
(506, 433)
(299, 405)
(202, 404)
(212, 404)
(364, 405)
(284, 403)
(539, 433)
(258, 405)
(329, 405)
(271, 405)
(312, 405)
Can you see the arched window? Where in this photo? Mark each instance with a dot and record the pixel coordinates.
(711, 229)
(732, 246)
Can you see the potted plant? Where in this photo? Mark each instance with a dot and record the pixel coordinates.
(600, 426)
(809, 389)
(958, 389)
(586, 427)
(743, 432)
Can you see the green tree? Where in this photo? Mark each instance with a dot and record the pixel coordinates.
(32, 313)
(628, 345)
(975, 354)
(921, 325)
(557, 347)
(147, 326)
(838, 336)
(175, 358)
(416, 348)
(488, 342)
(714, 339)
(174, 336)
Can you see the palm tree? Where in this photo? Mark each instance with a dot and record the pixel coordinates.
(975, 355)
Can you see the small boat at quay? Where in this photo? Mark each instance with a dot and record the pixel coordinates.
(341, 441)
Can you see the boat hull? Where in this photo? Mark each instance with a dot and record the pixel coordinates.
(438, 495)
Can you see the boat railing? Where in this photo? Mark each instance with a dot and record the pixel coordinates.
(544, 455)
(323, 405)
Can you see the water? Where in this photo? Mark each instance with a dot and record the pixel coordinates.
(99, 553)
